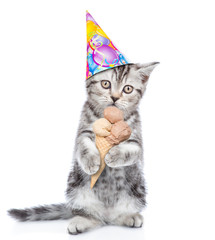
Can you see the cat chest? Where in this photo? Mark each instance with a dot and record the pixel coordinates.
(110, 186)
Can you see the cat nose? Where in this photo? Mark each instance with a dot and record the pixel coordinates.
(114, 98)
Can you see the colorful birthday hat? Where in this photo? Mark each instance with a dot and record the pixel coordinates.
(101, 53)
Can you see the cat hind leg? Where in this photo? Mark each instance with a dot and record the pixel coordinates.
(80, 224)
(130, 220)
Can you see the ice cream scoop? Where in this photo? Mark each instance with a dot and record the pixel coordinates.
(113, 114)
(120, 132)
(102, 127)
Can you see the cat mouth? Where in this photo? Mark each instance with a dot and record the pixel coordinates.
(112, 104)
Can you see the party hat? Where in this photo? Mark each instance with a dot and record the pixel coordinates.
(101, 53)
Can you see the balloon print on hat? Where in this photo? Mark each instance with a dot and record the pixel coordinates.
(99, 40)
(101, 52)
(92, 64)
(90, 18)
(105, 56)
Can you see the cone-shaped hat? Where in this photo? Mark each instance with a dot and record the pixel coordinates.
(101, 53)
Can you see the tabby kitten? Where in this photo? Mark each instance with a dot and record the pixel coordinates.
(118, 197)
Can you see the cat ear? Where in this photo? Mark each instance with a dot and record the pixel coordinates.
(144, 70)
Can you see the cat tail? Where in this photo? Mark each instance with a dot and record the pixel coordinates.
(40, 213)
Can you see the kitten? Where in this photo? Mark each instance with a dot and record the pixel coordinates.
(118, 197)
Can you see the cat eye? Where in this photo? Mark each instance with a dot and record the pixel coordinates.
(105, 84)
(128, 89)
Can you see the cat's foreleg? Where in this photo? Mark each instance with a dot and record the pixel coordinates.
(124, 154)
(87, 154)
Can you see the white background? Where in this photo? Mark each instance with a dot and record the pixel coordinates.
(42, 90)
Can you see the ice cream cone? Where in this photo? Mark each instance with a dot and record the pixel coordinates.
(103, 146)
(109, 131)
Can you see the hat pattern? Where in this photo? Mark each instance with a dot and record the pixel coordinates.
(101, 53)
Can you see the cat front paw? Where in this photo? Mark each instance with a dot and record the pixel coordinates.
(91, 163)
(112, 159)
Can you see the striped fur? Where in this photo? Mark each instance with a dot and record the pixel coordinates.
(119, 194)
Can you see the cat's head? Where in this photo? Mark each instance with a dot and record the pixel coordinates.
(121, 86)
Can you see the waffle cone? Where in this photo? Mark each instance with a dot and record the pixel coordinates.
(103, 146)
